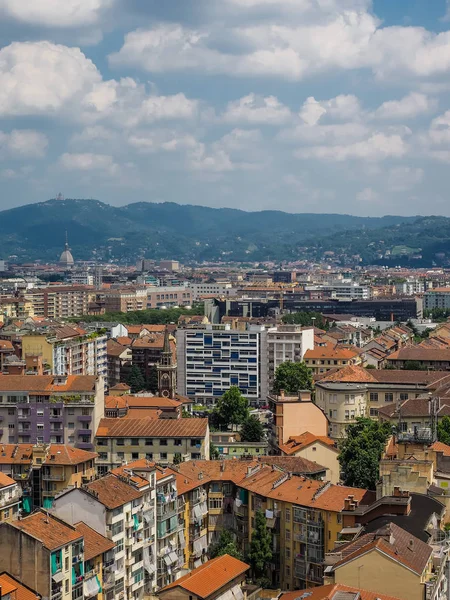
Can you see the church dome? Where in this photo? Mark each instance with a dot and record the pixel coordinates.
(66, 258)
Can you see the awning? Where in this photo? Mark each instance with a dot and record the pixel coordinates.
(203, 509)
(148, 564)
(91, 587)
(173, 557)
(181, 538)
(136, 522)
(269, 514)
(167, 560)
(197, 547)
(197, 512)
(148, 516)
(26, 504)
(58, 577)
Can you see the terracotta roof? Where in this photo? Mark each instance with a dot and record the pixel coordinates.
(131, 471)
(418, 353)
(112, 492)
(116, 401)
(94, 543)
(16, 454)
(121, 386)
(151, 402)
(124, 340)
(52, 532)
(293, 464)
(6, 345)
(154, 341)
(59, 454)
(330, 351)
(152, 428)
(441, 447)
(331, 592)
(44, 384)
(210, 577)
(5, 480)
(414, 407)
(114, 348)
(394, 541)
(298, 442)
(350, 373)
(20, 591)
(143, 413)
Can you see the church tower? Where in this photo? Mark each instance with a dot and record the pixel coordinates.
(167, 371)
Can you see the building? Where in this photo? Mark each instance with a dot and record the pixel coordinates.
(161, 440)
(54, 551)
(284, 277)
(170, 296)
(119, 362)
(211, 289)
(324, 358)
(321, 449)
(66, 260)
(10, 589)
(221, 577)
(417, 356)
(169, 265)
(61, 302)
(44, 470)
(292, 415)
(125, 299)
(287, 343)
(99, 553)
(336, 591)
(210, 360)
(167, 370)
(230, 446)
(50, 409)
(10, 497)
(17, 307)
(122, 509)
(437, 298)
(68, 350)
(149, 350)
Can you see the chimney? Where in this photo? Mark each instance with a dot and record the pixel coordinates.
(282, 394)
(200, 475)
(411, 544)
(222, 466)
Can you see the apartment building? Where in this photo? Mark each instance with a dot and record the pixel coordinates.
(211, 359)
(147, 352)
(99, 552)
(287, 343)
(117, 508)
(67, 350)
(118, 359)
(44, 470)
(50, 409)
(352, 392)
(11, 589)
(162, 440)
(437, 298)
(15, 308)
(54, 551)
(211, 289)
(61, 302)
(10, 497)
(125, 299)
(331, 356)
(320, 449)
(169, 296)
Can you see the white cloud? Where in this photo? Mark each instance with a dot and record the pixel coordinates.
(88, 162)
(41, 77)
(367, 195)
(400, 179)
(409, 107)
(156, 140)
(337, 133)
(378, 146)
(311, 111)
(257, 109)
(23, 143)
(55, 13)
(345, 107)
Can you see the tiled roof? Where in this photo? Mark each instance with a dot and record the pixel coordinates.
(154, 341)
(152, 428)
(52, 532)
(414, 407)
(151, 402)
(94, 543)
(6, 345)
(293, 464)
(418, 353)
(114, 348)
(116, 401)
(21, 592)
(124, 340)
(349, 374)
(331, 592)
(394, 541)
(112, 492)
(330, 351)
(59, 454)
(16, 454)
(5, 480)
(210, 577)
(297, 442)
(44, 384)
(121, 386)
(132, 470)
(441, 447)
(143, 413)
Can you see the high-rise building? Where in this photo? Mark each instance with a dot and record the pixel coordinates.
(213, 358)
(287, 343)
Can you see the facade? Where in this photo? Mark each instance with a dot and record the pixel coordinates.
(147, 352)
(287, 343)
(169, 297)
(320, 449)
(414, 356)
(161, 440)
(125, 300)
(211, 289)
(99, 552)
(437, 298)
(15, 308)
(210, 360)
(324, 358)
(119, 362)
(50, 409)
(61, 302)
(10, 497)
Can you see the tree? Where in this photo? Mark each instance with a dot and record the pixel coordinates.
(152, 380)
(260, 551)
(186, 414)
(252, 430)
(443, 430)
(213, 452)
(135, 379)
(225, 545)
(360, 452)
(307, 319)
(292, 377)
(177, 459)
(232, 408)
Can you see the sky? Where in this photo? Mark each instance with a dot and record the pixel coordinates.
(322, 106)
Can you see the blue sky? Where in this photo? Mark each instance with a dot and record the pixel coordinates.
(299, 105)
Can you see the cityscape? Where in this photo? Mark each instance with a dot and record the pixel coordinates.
(224, 300)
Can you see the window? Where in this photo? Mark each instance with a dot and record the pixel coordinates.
(66, 586)
(349, 398)
(85, 412)
(119, 546)
(11, 412)
(389, 397)
(71, 411)
(195, 443)
(149, 442)
(11, 426)
(374, 396)
(117, 528)
(373, 412)
(339, 518)
(71, 439)
(347, 414)
(288, 515)
(103, 455)
(134, 455)
(163, 442)
(120, 442)
(287, 552)
(215, 503)
(163, 455)
(177, 442)
(403, 395)
(135, 442)
(121, 455)
(71, 425)
(66, 563)
(149, 456)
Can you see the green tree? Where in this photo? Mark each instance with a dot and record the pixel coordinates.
(213, 452)
(360, 452)
(443, 430)
(260, 550)
(135, 379)
(186, 414)
(231, 409)
(177, 459)
(292, 377)
(307, 319)
(225, 545)
(152, 380)
(252, 430)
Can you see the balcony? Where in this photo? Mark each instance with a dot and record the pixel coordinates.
(53, 477)
(21, 476)
(9, 501)
(84, 445)
(165, 511)
(21, 416)
(109, 579)
(85, 418)
(87, 432)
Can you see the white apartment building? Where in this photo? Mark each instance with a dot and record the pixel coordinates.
(411, 287)
(212, 289)
(213, 358)
(169, 296)
(342, 403)
(287, 343)
(437, 298)
(81, 278)
(346, 290)
(122, 508)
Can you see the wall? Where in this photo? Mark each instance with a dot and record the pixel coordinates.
(325, 456)
(78, 506)
(299, 417)
(37, 344)
(375, 572)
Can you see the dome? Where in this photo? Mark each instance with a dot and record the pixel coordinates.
(66, 258)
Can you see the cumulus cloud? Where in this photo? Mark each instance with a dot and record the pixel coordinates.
(257, 109)
(409, 107)
(346, 107)
(54, 13)
(379, 146)
(400, 179)
(23, 143)
(367, 195)
(88, 162)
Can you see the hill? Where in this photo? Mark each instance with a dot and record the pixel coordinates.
(167, 230)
